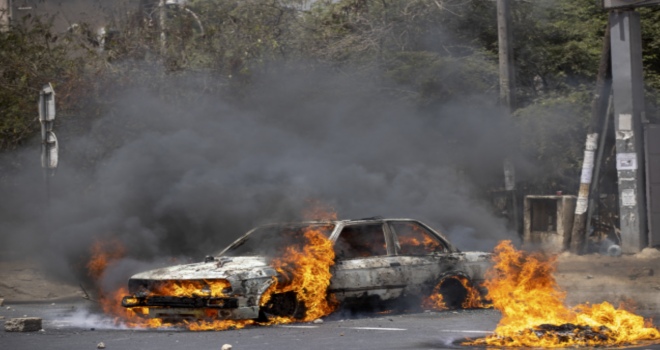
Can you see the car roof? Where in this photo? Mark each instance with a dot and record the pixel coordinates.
(351, 221)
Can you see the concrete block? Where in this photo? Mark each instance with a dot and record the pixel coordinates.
(28, 324)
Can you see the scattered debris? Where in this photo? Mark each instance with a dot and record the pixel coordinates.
(102, 346)
(53, 304)
(569, 332)
(226, 347)
(42, 330)
(8, 308)
(640, 272)
(318, 320)
(648, 253)
(342, 334)
(86, 296)
(2, 301)
(589, 277)
(391, 320)
(2, 317)
(30, 324)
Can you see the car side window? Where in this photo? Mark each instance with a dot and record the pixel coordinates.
(360, 241)
(415, 239)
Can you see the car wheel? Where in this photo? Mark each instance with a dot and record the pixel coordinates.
(283, 305)
(453, 293)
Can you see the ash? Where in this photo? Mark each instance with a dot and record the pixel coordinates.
(569, 332)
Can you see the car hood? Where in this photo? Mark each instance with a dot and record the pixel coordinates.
(235, 267)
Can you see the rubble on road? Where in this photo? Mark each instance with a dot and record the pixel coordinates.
(570, 332)
(318, 320)
(226, 347)
(648, 253)
(100, 346)
(28, 324)
(2, 301)
(641, 272)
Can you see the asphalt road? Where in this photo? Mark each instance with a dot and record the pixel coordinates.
(68, 325)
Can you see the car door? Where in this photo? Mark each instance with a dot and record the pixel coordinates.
(424, 256)
(364, 270)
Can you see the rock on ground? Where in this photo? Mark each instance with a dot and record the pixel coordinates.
(100, 346)
(226, 347)
(28, 324)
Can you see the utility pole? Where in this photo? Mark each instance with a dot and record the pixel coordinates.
(507, 67)
(628, 86)
(162, 17)
(579, 233)
(507, 96)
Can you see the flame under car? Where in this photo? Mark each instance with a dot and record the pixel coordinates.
(377, 261)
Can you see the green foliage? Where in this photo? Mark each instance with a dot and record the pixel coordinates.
(424, 52)
(552, 136)
(30, 56)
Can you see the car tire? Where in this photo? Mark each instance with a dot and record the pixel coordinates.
(282, 305)
(453, 293)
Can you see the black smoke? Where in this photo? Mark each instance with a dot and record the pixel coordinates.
(186, 178)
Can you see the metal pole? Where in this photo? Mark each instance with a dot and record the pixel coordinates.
(162, 18)
(628, 87)
(599, 160)
(507, 96)
(579, 232)
(507, 71)
(44, 145)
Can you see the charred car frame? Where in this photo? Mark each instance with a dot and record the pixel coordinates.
(376, 261)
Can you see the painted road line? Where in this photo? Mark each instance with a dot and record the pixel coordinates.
(379, 328)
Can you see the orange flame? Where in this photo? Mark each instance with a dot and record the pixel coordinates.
(522, 287)
(103, 252)
(472, 300)
(306, 271)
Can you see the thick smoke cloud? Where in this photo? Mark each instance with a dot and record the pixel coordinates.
(188, 179)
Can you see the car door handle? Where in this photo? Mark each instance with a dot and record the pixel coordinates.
(395, 264)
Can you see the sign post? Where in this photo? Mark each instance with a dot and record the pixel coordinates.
(49, 145)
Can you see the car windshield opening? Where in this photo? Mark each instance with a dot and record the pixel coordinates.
(272, 240)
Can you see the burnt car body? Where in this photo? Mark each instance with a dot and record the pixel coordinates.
(376, 261)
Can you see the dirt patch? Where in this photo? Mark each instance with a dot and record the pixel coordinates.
(596, 278)
(20, 281)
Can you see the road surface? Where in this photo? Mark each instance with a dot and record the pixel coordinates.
(68, 325)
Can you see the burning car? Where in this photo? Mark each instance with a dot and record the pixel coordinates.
(369, 262)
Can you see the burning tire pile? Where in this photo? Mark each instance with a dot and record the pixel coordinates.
(521, 286)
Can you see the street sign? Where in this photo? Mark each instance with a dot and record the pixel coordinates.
(49, 152)
(622, 4)
(47, 104)
(49, 145)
